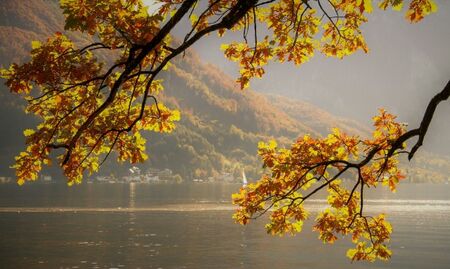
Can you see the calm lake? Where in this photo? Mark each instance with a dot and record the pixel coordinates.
(190, 226)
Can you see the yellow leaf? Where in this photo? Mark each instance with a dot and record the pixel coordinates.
(35, 44)
(398, 6)
(368, 6)
(272, 144)
(58, 100)
(28, 132)
(434, 7)
(194, 19)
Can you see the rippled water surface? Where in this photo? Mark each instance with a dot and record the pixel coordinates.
(190, 226)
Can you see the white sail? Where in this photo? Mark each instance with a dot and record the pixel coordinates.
(244, 179)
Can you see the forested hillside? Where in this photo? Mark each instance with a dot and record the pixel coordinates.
(220, 126)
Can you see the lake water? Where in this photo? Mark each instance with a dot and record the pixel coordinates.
(190, 226)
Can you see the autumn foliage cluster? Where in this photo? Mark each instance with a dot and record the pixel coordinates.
(299, 30)
(312, 164)
(65, 86)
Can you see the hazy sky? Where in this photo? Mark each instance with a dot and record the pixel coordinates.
(407, 64)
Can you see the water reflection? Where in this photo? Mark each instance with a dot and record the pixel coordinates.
(190, 226)
(132, 197)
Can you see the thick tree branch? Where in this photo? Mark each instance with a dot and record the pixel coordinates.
(421, 131)
(429, 112)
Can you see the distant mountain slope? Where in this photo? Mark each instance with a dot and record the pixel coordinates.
(309, 114)
(220, 127)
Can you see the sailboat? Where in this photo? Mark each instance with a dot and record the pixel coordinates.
(244, 179)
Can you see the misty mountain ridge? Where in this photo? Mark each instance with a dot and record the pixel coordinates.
(220, 126)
